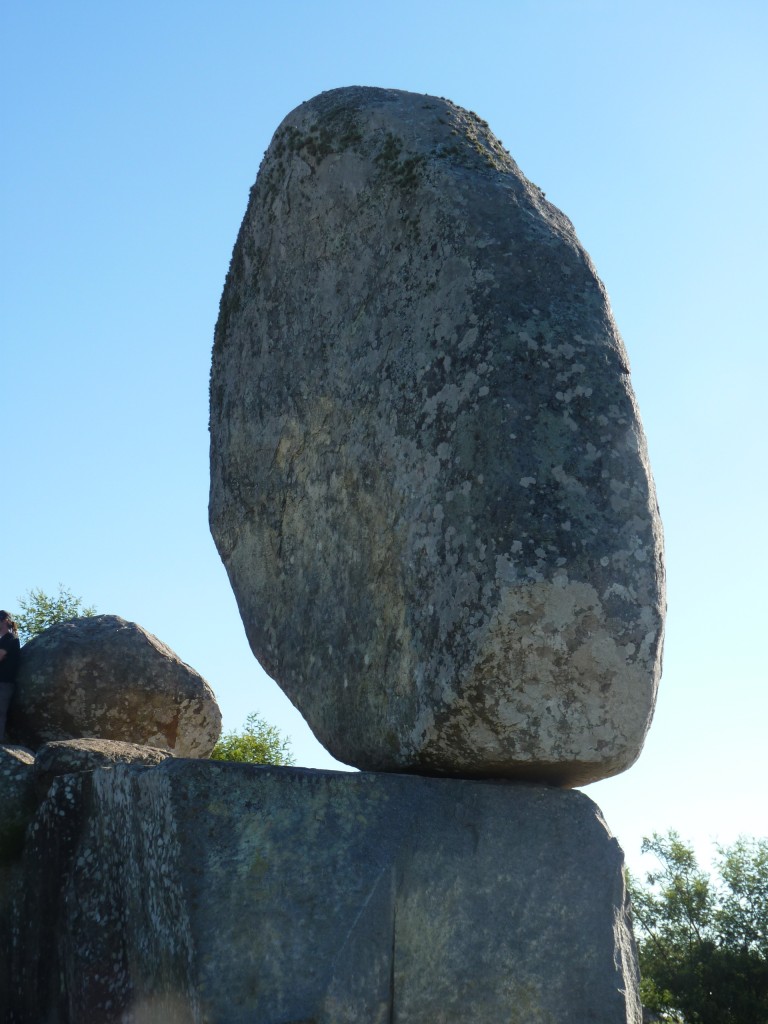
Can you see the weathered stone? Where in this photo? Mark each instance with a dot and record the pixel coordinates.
(429, 480)
(24, 783)
(101, 676)
(63, 757)
(203, 891)
(17, 798)
(17, 807)
(18, 803)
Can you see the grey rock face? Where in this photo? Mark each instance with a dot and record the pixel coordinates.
(429, 481)
(319, 896)
(103, 677)
(17, 799)
(64, 757)
(18, 804)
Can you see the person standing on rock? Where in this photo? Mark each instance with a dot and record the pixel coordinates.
(9, 660)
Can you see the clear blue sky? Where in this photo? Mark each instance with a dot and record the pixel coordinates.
(131, 135)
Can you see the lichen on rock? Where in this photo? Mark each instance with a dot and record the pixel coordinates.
(429, 480)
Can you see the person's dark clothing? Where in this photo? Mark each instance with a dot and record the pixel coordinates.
(8, 665)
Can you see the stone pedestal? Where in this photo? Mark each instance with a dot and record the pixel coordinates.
(206, 892)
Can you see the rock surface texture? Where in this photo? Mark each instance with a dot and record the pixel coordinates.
(68, 757)
(429, 481)
(103, 677)
(199, 891)
(17, 799)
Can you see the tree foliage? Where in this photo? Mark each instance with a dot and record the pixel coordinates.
(39, 611)
(258, 743)
(703, 942)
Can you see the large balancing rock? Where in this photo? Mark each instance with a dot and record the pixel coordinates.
(429, 481)
(199, 891)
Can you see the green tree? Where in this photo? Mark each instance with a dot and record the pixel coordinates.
(743, 914)
(702, 942)
(39, 611)
(258, 743)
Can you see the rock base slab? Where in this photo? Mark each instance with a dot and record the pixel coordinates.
(196, 891)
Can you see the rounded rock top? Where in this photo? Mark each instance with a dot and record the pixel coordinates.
(104, 677)
(429, 479)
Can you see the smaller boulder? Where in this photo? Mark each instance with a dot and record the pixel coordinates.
(17, 798)
(63, 757)
(100, 676)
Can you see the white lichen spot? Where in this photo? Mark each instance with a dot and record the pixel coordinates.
(619, 591)
(469, 338)
(505, 569)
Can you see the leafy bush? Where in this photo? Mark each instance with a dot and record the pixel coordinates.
(258, 743)
(39, 611)
(703, 942)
